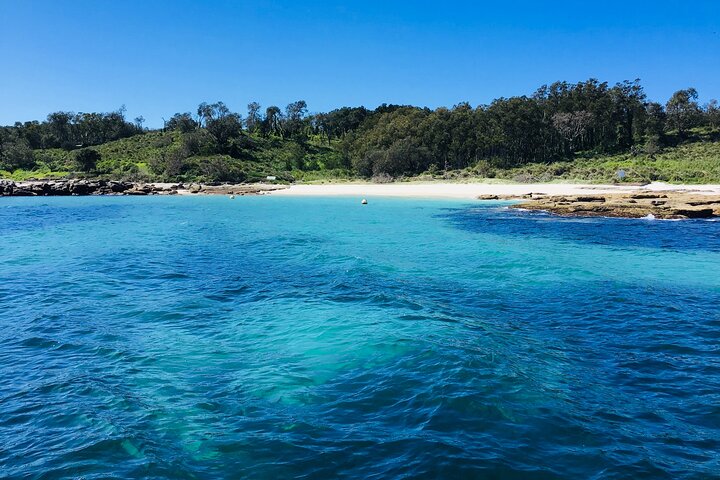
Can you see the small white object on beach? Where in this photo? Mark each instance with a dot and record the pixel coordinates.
(364, 202)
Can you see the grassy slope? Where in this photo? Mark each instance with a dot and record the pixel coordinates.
(697, 162)
(130, 158)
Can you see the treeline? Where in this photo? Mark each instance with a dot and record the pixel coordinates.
(66, 130)
(555, 123)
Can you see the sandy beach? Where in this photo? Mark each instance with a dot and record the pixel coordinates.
(474, 190)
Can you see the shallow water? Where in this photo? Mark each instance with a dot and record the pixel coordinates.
(276, 337)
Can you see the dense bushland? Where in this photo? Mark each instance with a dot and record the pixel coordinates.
(585, 130)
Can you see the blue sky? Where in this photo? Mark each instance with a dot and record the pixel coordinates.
(158, 58)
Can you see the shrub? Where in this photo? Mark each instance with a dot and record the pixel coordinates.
(86, 159)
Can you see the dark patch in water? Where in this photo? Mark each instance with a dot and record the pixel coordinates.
(700, 235)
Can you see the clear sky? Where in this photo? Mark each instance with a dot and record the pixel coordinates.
(159, 58)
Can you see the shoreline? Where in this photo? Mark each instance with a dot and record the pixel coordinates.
(437, 190)
(60, 188)
(655, 200)
(482, 191)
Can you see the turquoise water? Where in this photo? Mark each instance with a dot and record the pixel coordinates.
(272, 337)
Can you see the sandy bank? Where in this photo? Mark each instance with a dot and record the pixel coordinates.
(474, 190)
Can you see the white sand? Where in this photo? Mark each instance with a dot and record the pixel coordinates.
(473, 190)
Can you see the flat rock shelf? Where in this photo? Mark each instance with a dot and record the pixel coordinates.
(663, 205)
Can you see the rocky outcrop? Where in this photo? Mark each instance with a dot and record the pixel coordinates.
(10, 188)
(667, 205)
(71, 187)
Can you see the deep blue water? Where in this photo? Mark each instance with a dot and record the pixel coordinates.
(271, 337)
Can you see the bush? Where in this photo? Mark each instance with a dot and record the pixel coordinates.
(484, 169)
(403, 157)
(16, 155)
(653, 145)
(365, 165)
(222, 168)
(86, 159)
(200, 142)
(382, 178)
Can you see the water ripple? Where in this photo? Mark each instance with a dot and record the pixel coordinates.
(202, 338)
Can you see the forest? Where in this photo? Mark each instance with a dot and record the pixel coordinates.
(561, 124)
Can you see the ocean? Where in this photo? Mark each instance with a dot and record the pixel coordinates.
(315, 337)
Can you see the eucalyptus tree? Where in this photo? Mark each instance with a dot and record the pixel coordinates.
(272, 125)
(252, 122)
(211, 111)
(712, 114)
(683, 111)
(182, 122)
(294, 120)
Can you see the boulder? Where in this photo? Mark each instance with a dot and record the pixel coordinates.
(692, 212)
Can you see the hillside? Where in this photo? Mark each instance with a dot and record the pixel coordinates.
(145, 157)
(694, 161)
(584, 131)
(140, 157)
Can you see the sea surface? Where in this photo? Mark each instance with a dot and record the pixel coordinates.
(277, 337)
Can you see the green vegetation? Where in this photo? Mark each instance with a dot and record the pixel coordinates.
(570, 132)
(695, 161)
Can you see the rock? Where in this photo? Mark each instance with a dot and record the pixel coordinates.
(674, 205)
(693, 212)
(118, 187)
(80, 188)
(645, 195)
(488, 197)
(696, 203)
(103, 187)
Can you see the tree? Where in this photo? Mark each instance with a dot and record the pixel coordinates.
(204, 111)
(572, 126)
(294, 125)
(15, 153)
(253, 119)
(86, 159)
(656, 119)
(60, 129)
(273, 121)
(682, 110)
(296, 110)
(182, 122)
(225, 129)
(712, 114)
(213, 111)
